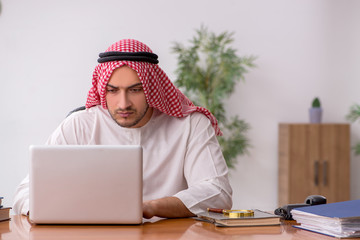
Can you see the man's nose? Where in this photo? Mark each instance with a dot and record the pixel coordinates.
(124, 101)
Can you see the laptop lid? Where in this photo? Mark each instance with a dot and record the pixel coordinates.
(86, 184)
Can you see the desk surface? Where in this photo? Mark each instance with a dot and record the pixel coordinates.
(186, 228)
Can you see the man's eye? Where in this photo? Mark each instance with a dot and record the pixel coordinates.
(111, 90)
(135, 90)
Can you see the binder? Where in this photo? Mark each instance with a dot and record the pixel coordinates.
(341, 219)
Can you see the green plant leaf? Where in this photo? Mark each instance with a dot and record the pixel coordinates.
(207, 72)
(354, 113)
(316, 103)
(356, 149)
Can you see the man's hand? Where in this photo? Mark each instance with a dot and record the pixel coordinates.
(168, 207)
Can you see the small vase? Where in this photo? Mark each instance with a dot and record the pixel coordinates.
(315, 115)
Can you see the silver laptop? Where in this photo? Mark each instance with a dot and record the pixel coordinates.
(86, 184)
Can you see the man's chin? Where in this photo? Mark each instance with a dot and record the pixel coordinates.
(125, 124)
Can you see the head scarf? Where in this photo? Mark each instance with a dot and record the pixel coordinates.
(159, 91)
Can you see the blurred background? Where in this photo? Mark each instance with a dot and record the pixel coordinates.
(304, 49)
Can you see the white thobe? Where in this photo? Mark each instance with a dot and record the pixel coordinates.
(181, 156)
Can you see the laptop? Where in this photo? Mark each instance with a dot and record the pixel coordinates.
(86, 184)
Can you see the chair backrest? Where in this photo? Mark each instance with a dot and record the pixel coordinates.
(76, 110)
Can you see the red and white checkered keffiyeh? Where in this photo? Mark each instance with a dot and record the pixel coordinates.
(159, 91)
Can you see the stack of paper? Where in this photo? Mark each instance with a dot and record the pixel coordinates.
(340, 219)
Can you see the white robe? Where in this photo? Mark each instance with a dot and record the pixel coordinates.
(181, 156)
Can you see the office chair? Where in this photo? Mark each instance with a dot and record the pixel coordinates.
(76, 110)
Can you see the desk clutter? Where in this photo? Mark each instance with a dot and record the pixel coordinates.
(340, 219)
(20, 228)
(4, 211)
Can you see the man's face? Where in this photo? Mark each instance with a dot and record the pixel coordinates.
(125, 99)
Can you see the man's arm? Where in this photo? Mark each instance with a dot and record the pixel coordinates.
(204, 169)
(21, 199)
(167, 207)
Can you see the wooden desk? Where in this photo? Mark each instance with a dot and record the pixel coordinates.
(186, 228)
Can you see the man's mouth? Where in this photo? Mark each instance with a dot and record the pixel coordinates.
(124, 114)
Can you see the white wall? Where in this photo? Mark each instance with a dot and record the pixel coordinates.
(305, 48)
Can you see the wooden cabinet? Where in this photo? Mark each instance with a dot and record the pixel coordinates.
(314, 159)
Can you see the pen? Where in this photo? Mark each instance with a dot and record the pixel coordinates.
(217, 210)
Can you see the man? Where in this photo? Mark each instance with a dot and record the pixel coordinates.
(133, 102)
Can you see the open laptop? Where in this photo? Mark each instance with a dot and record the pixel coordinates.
(86, 184)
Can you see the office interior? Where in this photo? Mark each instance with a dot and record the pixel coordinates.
(303, 48)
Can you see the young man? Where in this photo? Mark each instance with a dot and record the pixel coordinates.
(132, 101)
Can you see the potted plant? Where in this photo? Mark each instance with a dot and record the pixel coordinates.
(207, 72)
(315, 112)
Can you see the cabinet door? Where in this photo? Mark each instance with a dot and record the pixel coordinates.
(300, 168)
(296, 171)
(314, 159)
(334, 171)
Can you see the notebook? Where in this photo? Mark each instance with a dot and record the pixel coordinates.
(86, 184)
(260, 218)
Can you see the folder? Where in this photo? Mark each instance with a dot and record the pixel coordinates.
(341, 219)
